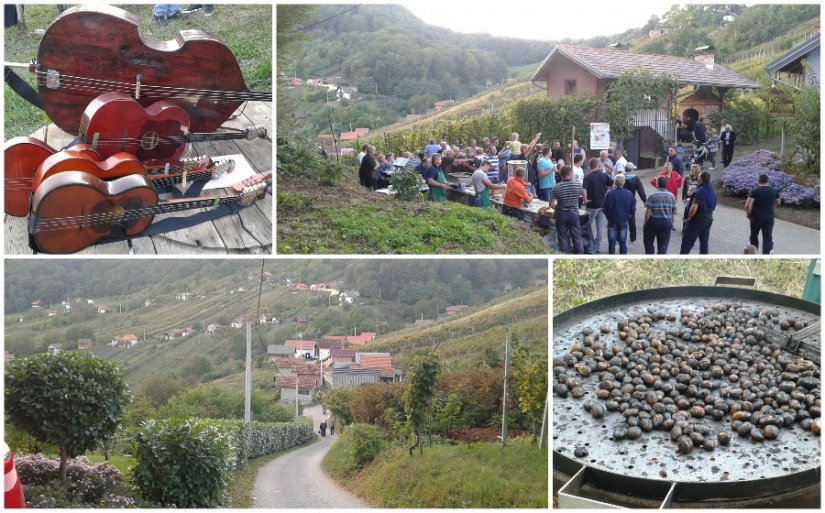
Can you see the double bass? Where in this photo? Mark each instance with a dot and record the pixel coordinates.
(90, 50)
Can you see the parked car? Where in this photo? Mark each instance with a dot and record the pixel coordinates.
(13, 490)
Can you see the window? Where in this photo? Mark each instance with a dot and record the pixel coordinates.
(303, 391)
(570, 87)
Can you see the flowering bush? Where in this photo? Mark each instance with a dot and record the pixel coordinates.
(741, 176)
(800, 196)
(87, 483)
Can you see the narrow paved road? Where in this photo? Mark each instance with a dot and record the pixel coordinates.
(295, 480)
(730, 231)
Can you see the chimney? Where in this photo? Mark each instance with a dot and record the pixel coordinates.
(706, 55)
(617, 46)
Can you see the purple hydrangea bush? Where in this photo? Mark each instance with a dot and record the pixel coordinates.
(88, 484)
(741, 176)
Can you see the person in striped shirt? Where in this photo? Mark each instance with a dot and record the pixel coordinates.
(492, 158)
(564, 198)
(659, 210)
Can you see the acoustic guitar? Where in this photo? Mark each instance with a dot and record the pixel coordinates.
(73, 210)
(94, 49)
(114, 122)
(124, 164)
(22, 156)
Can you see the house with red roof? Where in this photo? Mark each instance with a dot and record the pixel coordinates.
(125, 341)
(303, 348)
(574, 70)
(84, 344)
(292, 371)
(363, 368)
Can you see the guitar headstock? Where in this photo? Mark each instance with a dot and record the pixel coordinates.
(253, 187)
(223, 167)
(255, 131)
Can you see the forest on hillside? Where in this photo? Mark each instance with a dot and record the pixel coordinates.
(470, 281)
(401, 65)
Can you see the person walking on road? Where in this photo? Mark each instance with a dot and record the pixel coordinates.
(760, 210)
(659, 210)
(331, 426)
(700, 217)
(323, 428)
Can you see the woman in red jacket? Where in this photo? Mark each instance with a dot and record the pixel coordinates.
(674, 181)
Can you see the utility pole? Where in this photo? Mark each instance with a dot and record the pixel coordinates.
(544, 420)
(296, 396)
(247, 412)
(504, 400)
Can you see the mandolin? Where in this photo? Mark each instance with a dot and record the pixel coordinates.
(115, 122)
(89, 50)
(21, 156)
(73, 210)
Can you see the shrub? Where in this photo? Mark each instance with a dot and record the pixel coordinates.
(300, 158)
(258, 439)
(365, 443)
(799, 196)
(406, 183)
(187, 465)
(87, 483)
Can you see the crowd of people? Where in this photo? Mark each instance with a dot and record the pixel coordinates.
(606, 187)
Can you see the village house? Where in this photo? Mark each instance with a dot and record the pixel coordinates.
(275, 351)
(325, 346)
(290, 370)
(51, 313)
(37, 304)
(90, 301)
(102, 309)
(210, 329)
(300, 320)
(55, 349)
(573, 70)
(125, 341)
(84, 344)
(798, 67)
(344, 371)
(443, 104)
(237, 322)
(303, 348)
(454, 309)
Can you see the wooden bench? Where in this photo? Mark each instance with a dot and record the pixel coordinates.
(248, 231)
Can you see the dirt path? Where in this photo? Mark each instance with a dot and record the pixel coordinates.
(295, 480)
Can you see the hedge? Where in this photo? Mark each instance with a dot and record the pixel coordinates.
(188, 464)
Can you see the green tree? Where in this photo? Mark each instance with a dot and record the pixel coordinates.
(71, 400)
(805, 125)
(530, 378)
(634, 90)
(421, 389)
(337, 401)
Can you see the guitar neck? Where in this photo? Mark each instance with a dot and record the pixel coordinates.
(177, 177)
(224, 136)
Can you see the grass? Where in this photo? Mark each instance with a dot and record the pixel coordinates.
(350, 220)
(576, 282)
(243, 480)
(479, 475)
(119, 461)
(245, 29)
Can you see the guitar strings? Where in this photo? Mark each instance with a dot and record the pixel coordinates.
(155, 91)
(63, 223)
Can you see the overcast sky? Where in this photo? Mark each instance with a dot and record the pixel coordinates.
(539, 19)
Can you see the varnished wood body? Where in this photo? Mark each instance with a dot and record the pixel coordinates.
(103, 42)
(116, 166)
(121, 124)
(21, 158)
(74, 210)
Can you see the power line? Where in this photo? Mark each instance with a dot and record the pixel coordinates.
(319, 22)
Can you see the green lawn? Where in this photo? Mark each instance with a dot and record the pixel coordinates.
(119, 461)
(246, 29)
(480, 475)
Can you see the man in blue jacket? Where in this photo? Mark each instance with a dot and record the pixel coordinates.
(619, 207)
(699, 217)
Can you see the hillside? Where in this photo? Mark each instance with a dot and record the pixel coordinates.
(392, 82)
(390, 296)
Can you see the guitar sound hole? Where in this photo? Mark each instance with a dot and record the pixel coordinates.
(149, 140)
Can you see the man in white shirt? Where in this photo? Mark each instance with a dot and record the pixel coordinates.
(621, 162)
(360, 156)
